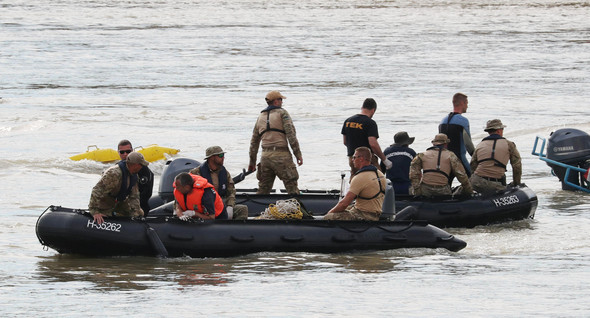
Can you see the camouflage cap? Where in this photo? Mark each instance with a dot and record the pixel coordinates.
(272, 95)
(494, 124)
(213, 151)
(136, 157)
(440, 139)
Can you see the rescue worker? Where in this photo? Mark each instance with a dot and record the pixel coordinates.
(456, 127)
(361, 130)
(430, 171)
(195, 197)
(145, 177)
(117, 193)
(490, 159)
(275, 131)
(400, 155)
(216, 174)
(367, 187)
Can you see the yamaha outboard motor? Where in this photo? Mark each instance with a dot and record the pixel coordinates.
(571, 147)
(166, 189)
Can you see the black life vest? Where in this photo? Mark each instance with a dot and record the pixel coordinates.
(381, 187)
(206, 173)
(453, 132)
(125, 189)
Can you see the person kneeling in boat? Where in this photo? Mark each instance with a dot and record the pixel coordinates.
(117, 193)
(490, 159)
(195, 197)
(367, 186)
(431, 170)
(214, 171)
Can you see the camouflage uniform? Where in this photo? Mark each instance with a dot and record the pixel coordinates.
(440, 186)
(276, 159)
(104, 196)
(240, 210)
(489, 175)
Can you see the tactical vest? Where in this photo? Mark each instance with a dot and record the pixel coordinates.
(372, 168)
(493, 155)
(222, 176)
(436, 166)
(270, 127)
(125, 188)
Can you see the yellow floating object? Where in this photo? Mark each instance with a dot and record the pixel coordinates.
(154, 152)
(151, 153)
(102, 155)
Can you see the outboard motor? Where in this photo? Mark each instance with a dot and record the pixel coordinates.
(166, 189)
(571, 147)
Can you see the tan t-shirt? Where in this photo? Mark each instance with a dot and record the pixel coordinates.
(366, 184)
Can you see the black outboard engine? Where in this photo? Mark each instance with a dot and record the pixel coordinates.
(571, 147)
(166, 189)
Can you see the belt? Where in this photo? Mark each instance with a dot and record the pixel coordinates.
(491, 179)
(275, 148)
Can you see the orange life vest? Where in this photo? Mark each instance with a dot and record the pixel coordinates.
(192, 200)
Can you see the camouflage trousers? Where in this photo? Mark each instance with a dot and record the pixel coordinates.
(433, 191)
(240, 212)
(353, 214)
(277, 164)
(485, 186)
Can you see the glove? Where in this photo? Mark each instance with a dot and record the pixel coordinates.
(230, 212)
(185, 218)
(387, 164)
(189, 213)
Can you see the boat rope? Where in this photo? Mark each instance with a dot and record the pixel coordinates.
(281, 210)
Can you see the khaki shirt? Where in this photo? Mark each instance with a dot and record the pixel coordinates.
(366, 184)
(505, 152)
(416, 176)
(104, 196)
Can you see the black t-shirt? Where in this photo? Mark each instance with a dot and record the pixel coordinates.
(357, 130)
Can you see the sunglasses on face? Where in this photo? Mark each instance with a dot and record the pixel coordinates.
(125, 151)
(220, 155)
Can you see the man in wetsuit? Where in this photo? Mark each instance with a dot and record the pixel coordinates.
(490, 159)
(361, 130)
(274, 129)
(456, 127)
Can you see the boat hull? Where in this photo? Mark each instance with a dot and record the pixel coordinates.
(74, 231)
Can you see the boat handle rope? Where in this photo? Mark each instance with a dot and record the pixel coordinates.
(410, 224)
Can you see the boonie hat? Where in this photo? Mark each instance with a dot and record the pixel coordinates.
(440, 139)
(213, 151)
(402, 138)
(272, 95)
(494, 124)
(136, 157)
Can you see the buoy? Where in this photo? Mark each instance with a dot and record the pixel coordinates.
(102, 155)
(151, 153)
(154, 152)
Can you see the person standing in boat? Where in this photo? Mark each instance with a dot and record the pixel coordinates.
(274, 129)
(145, 177)
(431, 170)
(490, 159)
(456, 127)
(214, 171)
(197, 198)
(361, 130)
(400, 155)
(367, 187)
(117, 193)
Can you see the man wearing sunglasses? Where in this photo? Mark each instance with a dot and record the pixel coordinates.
(275, 132)
(214, 171)
(145, 177)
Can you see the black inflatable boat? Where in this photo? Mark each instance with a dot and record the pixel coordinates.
(515, 203)
(74, 231)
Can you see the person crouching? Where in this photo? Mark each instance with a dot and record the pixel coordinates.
(195, 197)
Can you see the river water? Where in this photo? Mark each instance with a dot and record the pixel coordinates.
(191, 74)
